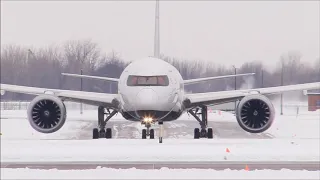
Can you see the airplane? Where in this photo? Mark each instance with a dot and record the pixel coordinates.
(150, 91)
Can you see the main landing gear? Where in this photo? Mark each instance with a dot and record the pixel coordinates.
(147, 132)
(102, 131)
(203, 132)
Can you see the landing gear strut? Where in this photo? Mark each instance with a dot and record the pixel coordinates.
(102, 131)
(147, 132)
(161, 131)
(203, 132)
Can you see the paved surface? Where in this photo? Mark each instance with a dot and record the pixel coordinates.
(174, 129)
(217, 165)
(121, 129)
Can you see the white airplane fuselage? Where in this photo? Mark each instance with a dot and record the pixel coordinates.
(151, 87)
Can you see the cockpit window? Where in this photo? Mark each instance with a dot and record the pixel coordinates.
(147, 81)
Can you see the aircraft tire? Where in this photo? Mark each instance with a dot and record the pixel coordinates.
(95, 133)
(203, 133)
(210, 133)
(144, 134)
(109, 133)
(102, 133)
(196, 133)
(151, 133)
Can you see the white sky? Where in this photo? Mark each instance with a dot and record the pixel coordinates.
(230, 32)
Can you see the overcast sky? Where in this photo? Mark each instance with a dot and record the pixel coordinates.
(230, 32)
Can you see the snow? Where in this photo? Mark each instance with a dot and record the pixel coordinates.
(306, 126)
(164, 173)
(92, 115)
(11, 119)
(151, 150)
(295, 138)
(297, 127)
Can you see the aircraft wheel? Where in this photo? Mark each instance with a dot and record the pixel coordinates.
(109, 133)
(144, 133)
(151, 133)
(95, 133)
(203, 133)
(196, 133)
(210, 133)
(102, 133)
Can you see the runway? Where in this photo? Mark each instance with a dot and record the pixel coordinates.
(82, 130)
(277, 149)
(216, 165)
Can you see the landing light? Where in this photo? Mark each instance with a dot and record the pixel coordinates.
(147, 119)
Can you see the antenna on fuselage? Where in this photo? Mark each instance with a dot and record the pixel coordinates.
(157, 33)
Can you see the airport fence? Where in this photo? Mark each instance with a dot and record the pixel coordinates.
(23, 105)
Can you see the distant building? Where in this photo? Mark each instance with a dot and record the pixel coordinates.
(313, 99)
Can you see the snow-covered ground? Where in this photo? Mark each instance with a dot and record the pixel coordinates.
(164, 173)
(293, 138)
(76, 122)
(92, 115)
(14, 125)
(151, 150)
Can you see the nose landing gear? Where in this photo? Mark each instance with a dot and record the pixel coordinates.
(203, 132)
(101, 131)
(147, 132)
(150, 132)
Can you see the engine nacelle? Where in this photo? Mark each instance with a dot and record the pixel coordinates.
(46, 113)
(255, 113)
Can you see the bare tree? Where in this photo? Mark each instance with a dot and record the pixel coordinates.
(81, 55)
(42, 67)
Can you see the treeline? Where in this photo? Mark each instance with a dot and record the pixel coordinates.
(42, 67)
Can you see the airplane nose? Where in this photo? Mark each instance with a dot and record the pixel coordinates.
(146, 97)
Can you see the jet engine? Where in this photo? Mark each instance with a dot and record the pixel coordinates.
(255, 113)
(46, 113)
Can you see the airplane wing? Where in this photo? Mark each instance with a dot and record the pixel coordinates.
(92, 98)
(91, 77)
(219, 97)
(192, 81)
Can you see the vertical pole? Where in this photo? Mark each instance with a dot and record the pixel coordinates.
(28, 54)
(161, 131)
(157, 32)
(261, 78)
(81, 90)
(235, 87)
(281, 110)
